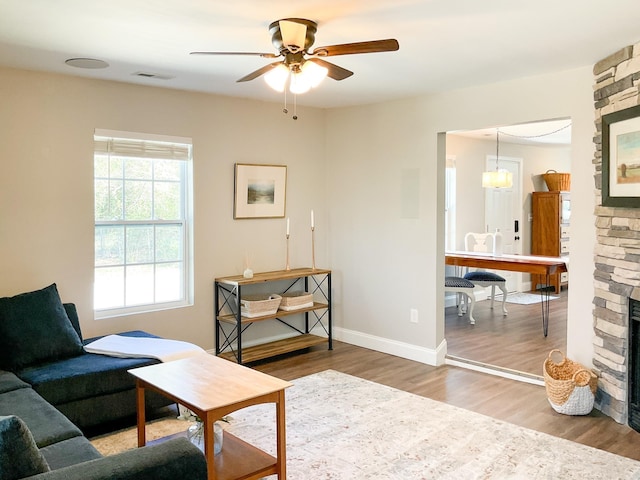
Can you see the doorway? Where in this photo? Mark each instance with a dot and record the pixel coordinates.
(497, 341)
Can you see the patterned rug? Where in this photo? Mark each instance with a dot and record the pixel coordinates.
(343, 427)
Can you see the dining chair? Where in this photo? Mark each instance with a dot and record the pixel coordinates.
(486, 243)
(462, 287)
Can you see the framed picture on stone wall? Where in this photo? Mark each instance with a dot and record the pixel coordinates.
(260, 191)
(621, 158)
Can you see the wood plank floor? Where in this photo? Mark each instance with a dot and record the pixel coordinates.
(509, 400)
(514, 341)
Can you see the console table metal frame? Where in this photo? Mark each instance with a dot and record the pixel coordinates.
(228, 294)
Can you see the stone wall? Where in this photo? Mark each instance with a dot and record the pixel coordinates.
(617, 252)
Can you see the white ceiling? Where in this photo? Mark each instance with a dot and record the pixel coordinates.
(547, 133)
(444, 44)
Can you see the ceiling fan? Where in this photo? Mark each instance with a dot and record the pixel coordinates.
(302, 67)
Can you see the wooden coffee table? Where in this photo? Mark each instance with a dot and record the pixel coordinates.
(212, 387)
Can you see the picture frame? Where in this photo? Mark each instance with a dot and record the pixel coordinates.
(621, 158)
(260, 191)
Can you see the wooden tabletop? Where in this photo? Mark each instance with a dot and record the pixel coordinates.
(209, 382)
(515, 263)
(272, 276)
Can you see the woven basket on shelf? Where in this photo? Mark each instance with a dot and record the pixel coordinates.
(557, 182)
(258, 305)
(296, 300)
(570, 387)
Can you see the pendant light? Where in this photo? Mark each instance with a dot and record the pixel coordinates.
(497, 178)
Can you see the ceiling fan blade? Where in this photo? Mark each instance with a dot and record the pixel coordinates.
(293, 35)
(260, 71)
(253, 54)
(373, 46)
(334, 71)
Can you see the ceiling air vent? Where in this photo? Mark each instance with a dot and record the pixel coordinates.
(152, 75)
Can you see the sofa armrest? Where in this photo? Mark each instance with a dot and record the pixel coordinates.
(175, 458)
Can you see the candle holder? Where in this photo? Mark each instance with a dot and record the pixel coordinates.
(313, 249)
(287, 267)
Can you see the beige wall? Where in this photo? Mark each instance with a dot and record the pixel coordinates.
(373, 174)
(389, 264)
(46, 187)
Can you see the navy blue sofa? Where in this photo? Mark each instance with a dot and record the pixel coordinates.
(51, 389)
(91, 389)
(39, 442)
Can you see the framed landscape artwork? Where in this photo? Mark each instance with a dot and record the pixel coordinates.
(260, 191)
(621, 158)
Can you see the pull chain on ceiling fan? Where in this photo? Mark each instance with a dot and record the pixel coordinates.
(301, 68)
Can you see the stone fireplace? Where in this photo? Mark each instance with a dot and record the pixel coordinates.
(617, 251)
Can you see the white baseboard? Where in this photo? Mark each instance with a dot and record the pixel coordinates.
(399, 349)
(392, 347)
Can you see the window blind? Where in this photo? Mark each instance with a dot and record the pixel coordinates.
(145, 146)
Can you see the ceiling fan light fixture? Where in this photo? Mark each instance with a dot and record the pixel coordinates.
(300, 83)
(316, 73)
(293, 35)
(276, 78)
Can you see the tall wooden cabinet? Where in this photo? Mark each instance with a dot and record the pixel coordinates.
(550, 232)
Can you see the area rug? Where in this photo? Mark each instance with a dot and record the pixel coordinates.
(522, 298)
(344, 427)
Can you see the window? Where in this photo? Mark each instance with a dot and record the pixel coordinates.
(142, 190)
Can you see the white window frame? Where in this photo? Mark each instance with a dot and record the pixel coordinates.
(154, 147)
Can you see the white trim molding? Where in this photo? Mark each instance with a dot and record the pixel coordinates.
(392, 347)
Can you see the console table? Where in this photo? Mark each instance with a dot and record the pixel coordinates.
(230, 324)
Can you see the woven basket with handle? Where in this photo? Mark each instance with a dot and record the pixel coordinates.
(570, 387)
(557, 182)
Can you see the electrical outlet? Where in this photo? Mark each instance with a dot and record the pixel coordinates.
(413, 315)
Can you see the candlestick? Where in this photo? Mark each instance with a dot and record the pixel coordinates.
(313, 248)
(287, 267)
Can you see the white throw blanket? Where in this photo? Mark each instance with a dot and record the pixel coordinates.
(163, 349)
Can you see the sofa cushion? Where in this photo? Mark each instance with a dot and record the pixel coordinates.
(84, 376)
(19, 455)
(8, 382)
(91, 414)
(72, 313)
(46, 424)
(176, 458)
(69, 452)
(34, 328)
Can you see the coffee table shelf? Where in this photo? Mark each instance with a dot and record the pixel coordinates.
(240, 460)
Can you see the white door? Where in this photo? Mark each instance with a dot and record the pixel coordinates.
(503, 208)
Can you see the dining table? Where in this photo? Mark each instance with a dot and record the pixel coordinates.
(536, 264)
